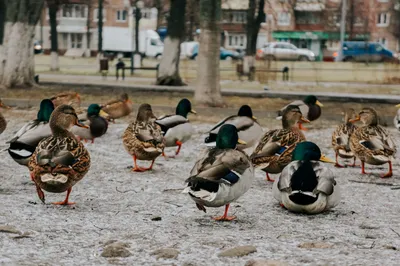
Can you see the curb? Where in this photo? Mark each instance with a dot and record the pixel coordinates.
(289, 95)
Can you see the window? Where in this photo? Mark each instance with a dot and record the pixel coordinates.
(96, 14)
(239, 17)
(146, 13)
(74, 11)
(237, 40)
(284, 19)
(76, 40)
(65, 40)
(382, 41)
(308, 18)
(383, 19)
(121, 15)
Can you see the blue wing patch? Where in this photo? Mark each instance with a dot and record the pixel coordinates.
(281, 150)
(231, 177)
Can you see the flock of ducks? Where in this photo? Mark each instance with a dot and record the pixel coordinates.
(52, 148)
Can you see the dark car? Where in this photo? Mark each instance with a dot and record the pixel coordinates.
(224, 53)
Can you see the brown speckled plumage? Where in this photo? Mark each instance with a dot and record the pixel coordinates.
(118, 108)
(341, 136)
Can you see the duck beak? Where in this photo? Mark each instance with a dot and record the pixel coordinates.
(326, 159)
(104, 114)
(254, 117)
(355, 119)
(79, 124)
(319, 103)
(242, 142)
(398, 106)
(193, 112)
(304, 120)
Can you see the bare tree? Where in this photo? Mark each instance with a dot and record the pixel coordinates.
(53, 7)
(18, 19)
(168, 72)
(208, 89)
(252, 28)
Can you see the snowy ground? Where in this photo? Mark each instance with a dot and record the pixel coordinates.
(114, 203)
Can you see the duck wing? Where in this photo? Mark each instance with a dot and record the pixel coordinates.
(303, 107)
(170, 121)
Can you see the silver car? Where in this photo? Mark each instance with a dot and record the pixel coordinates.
(284, 51)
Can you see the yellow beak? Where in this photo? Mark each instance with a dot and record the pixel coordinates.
(398, 106)
(193, 111)
(254, 117)
(104, 114)
(326, 159)
(319, 103)
(242, 142)
(355, 119)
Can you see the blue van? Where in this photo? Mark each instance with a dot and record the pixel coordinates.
(366, 52)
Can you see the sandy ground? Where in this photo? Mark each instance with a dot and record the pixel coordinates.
(114, 203)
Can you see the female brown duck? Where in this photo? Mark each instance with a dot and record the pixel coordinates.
(60, 161)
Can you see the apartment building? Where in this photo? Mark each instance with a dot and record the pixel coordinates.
(315, 24)
(77, 25)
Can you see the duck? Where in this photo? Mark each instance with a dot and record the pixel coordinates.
(396, 120)
(274, 150)
(61, 160)
(176, 128)
(143, 138)
(3, 122)
(67, 97)
(118, 108)
(95, 120)
(307, 185)
(341, 138)
(371, 143)
(310, 107)
(249, 129)
(25, 141)
(221, 175)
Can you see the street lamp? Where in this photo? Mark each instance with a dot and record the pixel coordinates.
(135, 55)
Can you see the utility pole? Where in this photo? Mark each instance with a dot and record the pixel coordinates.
(100, 27)
(342, 29)
(135, 55)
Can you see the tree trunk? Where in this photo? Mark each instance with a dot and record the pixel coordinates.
(252, 29)
(88, 23)
(208, 89)
(159, 5)
(168, 72)
(100, 29)
(16, 46)
(53, 8)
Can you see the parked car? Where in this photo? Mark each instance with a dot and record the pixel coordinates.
(284, 51)
(37, 47)
(187, 49)
(365, 52)
(224, 54)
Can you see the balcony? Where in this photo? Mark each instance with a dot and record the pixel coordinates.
(310, 5)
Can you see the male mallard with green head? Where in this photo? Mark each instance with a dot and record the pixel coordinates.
(371, 143)
(246, 123)
(341, 138)
(143, 139)
(59, 161)
(222, 175)
(96, 121)
(310, 107)
(306, 185)
(25, 141)
(177, 128)
(274, 151)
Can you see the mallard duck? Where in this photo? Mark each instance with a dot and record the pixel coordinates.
(69, 97)
(177, 128)
(143, 138)
(248, 128)
(396, 120)
(371, 143)
(59, 161)
(341, 138)
(96, 121)
(118, 108)
(310, 107)
(3, 122)
(274, 151)
(306, 185)
(25, 141)
(222, 175)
